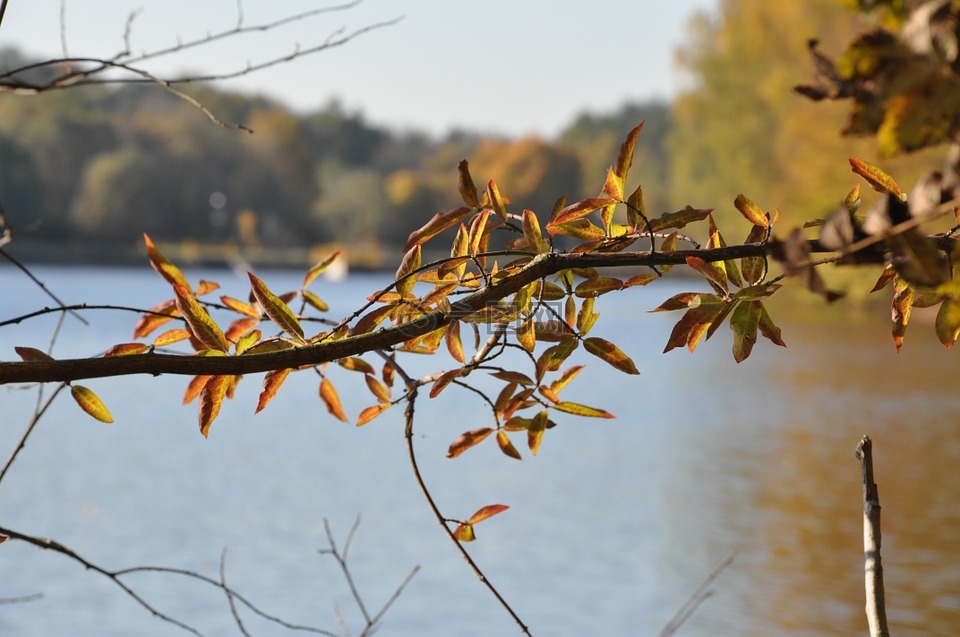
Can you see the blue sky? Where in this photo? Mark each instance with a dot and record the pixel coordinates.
(501, 66)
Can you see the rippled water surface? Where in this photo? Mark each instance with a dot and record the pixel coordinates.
(611, 527)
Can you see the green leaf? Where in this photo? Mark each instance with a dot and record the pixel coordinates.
(770, 331)
(582, 410)
(278, 311)
(744, 322)
(90, 403)
(610, 353)
(315, 301)
(947, 325)
(203, 328)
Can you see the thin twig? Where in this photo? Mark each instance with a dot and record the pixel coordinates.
(38, 414)
(693, 602)
(872, 566)
(21, 600)
(16, 262)
(412, 387)
(3, 9)
(223, 583)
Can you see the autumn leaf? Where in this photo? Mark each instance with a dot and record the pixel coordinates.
(271, 385)
(527, 335)
(581, 410)
(535, 431)
(496, 200)
(468, 191)
(314, 301)
(877, 178)
(503, 441)
(486, 513)
(157, 316)
(610, 353)
(278, 311)
(744, 322)
(194, 387)
(712, 272)
(164, 267)
(625, 154)
(437, 224)
(370, 413)
(475, 235)
(332, 400)
(467, 440)
(532, 232)
(947, 325)
(211, 399)
(240, 307)
(175, 335)
(31, 354)
(90, 403)
(126, 349)
(203, 328)
(320, 267)
(355, 364)
(579, 210)
(452, 337)
(464, 533)
(378, 389)
(677, 219)
(410, 263)
(751, 211)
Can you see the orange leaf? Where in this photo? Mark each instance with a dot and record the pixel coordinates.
(194, 388)
(452, 338)
(405, 277)
(271, 385)
(711, 271)
(877, 178)
(496, 201)
(527, 334)
(201, 325)
(532, 232)
(170, 337)
(276, 309)
(240, 307)
(580, 209)
(513, 377)
(437, 224)
(564, 379)
(164, 268)
(487, 512)
(329, 396)
(318, 269)
(211, 399)
(206, 287)
(90, 403)
(477, 227)
(370, 413)
(506, 446)
(157, 316)
(378, 389)
(751, 211)
(443, 380)
(625, 154)
(355, 364)
(467, 440)
(126, 349)
(610, 353)
(240, 329)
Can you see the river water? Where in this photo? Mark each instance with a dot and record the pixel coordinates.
(611, 527)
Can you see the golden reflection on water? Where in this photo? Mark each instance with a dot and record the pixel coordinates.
(851, 382)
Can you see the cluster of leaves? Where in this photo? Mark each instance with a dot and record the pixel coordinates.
(903, 78)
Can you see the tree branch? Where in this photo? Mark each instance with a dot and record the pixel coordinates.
(873, 568)
(537, 268)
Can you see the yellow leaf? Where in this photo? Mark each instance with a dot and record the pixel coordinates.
(454, 344)
(378, 389)
(370, 413)
(276, 309)
(240, 307)
(506, 446)
(126, 349)
(203, 328)
(170, 337)
(318, 269)
(582, 410)
(90, 403)
(164, 268)
(610, 353)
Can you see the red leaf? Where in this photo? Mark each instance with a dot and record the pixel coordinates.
(487, 512)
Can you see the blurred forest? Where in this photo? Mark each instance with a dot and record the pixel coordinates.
(83, 173)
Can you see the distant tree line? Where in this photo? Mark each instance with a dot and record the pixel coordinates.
(100, 166)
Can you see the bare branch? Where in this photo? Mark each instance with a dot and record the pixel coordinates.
(223, 583)
(693, 602)
(20, 266)
(873, 567)
(3, 9)
(38, 414)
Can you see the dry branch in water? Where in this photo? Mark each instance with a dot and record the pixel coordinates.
(873, 568)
